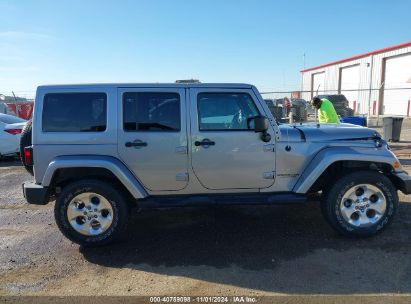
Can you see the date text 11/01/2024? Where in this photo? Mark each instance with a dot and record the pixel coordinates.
(203, 299)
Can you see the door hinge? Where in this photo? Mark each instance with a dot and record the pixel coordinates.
(182, 177)
(181, 150)
(269, 148)
(269, 175)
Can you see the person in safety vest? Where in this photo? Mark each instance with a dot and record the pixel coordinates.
(326, 111)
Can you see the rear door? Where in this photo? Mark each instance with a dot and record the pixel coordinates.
(226, 154)
(152, 138)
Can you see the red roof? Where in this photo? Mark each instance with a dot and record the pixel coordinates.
(394, 47)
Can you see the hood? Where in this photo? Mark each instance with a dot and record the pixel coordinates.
(327, 132)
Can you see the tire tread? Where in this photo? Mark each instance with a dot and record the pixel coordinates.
(329, 203)
(114, 196)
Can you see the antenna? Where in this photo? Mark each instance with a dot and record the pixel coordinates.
(316, 116)
(304, 61)
(15, 99)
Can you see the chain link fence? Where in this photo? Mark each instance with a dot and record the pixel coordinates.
(347, 103)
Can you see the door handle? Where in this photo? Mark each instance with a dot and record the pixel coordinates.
(136, 144)
(205, 143)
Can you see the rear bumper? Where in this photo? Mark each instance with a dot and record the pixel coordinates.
(35, 194)
(403, 182)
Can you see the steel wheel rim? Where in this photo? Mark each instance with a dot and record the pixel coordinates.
(90, 214)
(363, 205)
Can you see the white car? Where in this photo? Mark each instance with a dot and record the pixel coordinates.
(10, 132)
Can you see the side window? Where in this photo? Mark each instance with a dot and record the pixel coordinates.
(151, 111)
(74, 112)
(225, 111)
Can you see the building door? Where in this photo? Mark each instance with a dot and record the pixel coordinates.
(397, 91)
(349, 85)
(318, 84)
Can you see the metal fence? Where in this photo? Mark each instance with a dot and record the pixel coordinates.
(370, 102)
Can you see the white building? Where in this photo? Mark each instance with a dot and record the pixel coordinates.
(375, 83)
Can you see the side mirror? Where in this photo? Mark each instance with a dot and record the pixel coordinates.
(260, 124)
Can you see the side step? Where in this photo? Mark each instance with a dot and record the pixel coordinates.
(282, 198)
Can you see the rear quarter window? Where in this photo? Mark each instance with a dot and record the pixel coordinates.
(74, 112)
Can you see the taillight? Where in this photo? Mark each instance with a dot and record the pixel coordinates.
(28, 156)
(13, 131)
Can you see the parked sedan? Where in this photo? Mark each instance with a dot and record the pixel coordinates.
(10, 132)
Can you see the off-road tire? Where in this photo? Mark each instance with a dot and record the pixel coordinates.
(25, 141)
(331, 200)
(117, 201)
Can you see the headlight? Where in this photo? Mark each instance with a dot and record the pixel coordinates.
(397, 166)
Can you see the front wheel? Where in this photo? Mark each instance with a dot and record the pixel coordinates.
(360, 204)
(91, 213)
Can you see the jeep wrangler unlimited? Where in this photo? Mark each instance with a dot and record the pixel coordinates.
(100, 149)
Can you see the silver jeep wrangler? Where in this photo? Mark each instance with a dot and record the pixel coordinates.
(100, 149)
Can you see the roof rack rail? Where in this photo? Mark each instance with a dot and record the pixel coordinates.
(188, 81)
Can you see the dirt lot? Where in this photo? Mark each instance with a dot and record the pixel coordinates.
(208, 251)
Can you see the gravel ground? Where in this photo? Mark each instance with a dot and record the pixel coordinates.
(255, 251)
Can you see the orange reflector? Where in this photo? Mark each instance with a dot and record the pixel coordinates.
(397, 165)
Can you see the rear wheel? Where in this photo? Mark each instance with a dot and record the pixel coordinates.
(360, 204)
(91, 213)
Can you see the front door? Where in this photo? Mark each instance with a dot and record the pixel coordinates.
(226, 152)
(152, 138)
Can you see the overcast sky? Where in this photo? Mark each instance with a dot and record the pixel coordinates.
(258, 42)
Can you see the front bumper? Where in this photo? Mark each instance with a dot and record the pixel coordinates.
(403, 182)
(35, 194)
